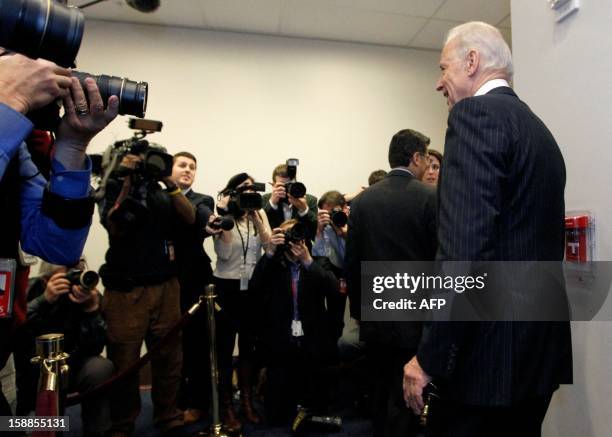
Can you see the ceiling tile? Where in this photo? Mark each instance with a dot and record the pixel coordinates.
(417, 8)
(490, 11)
(189, 14)
(433, 34)
(243, 16)
(302, 18)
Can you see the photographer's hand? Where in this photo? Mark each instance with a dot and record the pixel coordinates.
(277, 239)
(183, 207)
(301, 252)
(323, 220)
(299, 203)
(56, 286)
(90, 300)
(27, 84)
(278, 193)
(77, 128)
(210, 230)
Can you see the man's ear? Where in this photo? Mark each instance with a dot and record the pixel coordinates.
(472, 62)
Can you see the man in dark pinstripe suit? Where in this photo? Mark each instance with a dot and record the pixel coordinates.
(501, 199)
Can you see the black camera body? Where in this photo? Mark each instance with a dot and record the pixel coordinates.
(338, 217)
(247, 200)
(295, 234)
(51, 30)
(155, 165)
(88, 279)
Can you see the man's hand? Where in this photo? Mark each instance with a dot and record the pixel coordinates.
(56, 286)
(299, 203)
(300, 251)
(212, 231)
(415, 380)
(323, 219)
(89, 300)
(277, 239)
(83, 119)
(278, 193)
(27, 84)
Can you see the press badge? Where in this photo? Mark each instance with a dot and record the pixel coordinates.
(244, 278)
(8, 268)
(296, 328)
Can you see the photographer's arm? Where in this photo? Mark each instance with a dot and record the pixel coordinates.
(55, 222)
(113, 203)
(260, 219)
(183, 207)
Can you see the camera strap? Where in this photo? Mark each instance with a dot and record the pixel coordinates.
(244, 278)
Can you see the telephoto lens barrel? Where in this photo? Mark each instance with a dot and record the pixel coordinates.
(41, 29)
(132, 95)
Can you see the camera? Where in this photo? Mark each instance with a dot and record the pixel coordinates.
(338, 217)
(50, 30)
(244, 198)
(293, 188)
(295, 234)
(88, 279)
(41, 29)
(155, 165)
(132, 95)
(225, 223)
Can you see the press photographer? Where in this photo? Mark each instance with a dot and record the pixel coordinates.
(238, 250)
(291, 319)
(289, 199)
(51, 218)
(330, 241)
(142, 298)
(66, 301)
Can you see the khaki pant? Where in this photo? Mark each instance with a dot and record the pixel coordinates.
(145, 313)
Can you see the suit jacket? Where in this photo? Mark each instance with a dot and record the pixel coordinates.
(392, 220)
(271, 285)
(501, 198)
(193, 263)
(276, 216)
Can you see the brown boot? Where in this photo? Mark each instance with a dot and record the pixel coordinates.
(246, 399)
(228, 414)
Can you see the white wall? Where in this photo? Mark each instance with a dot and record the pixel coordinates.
(563, 71)
(246, 103)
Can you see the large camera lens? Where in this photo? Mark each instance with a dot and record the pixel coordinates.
(41, 29)
(132, 95)
(339, 218)
(296, 189)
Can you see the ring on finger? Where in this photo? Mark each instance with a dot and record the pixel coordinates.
(82, 110)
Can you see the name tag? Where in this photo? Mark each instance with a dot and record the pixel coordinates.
(296, 328)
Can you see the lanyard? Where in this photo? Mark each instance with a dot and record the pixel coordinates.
(245, 249)
(295, 279)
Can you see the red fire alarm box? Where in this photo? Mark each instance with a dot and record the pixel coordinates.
(579, 236)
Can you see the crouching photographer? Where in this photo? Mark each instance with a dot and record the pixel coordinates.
(142, 297)
(292, 323)
(66, 301)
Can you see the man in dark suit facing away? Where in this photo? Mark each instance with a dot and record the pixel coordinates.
(392, 220)
(501, 199)
(194, 273)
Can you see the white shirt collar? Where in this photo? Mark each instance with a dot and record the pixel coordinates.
(492, 84)
(186, 191)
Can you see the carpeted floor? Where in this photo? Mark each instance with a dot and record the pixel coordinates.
(351, 424)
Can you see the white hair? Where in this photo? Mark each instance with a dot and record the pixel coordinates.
(488, 41)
